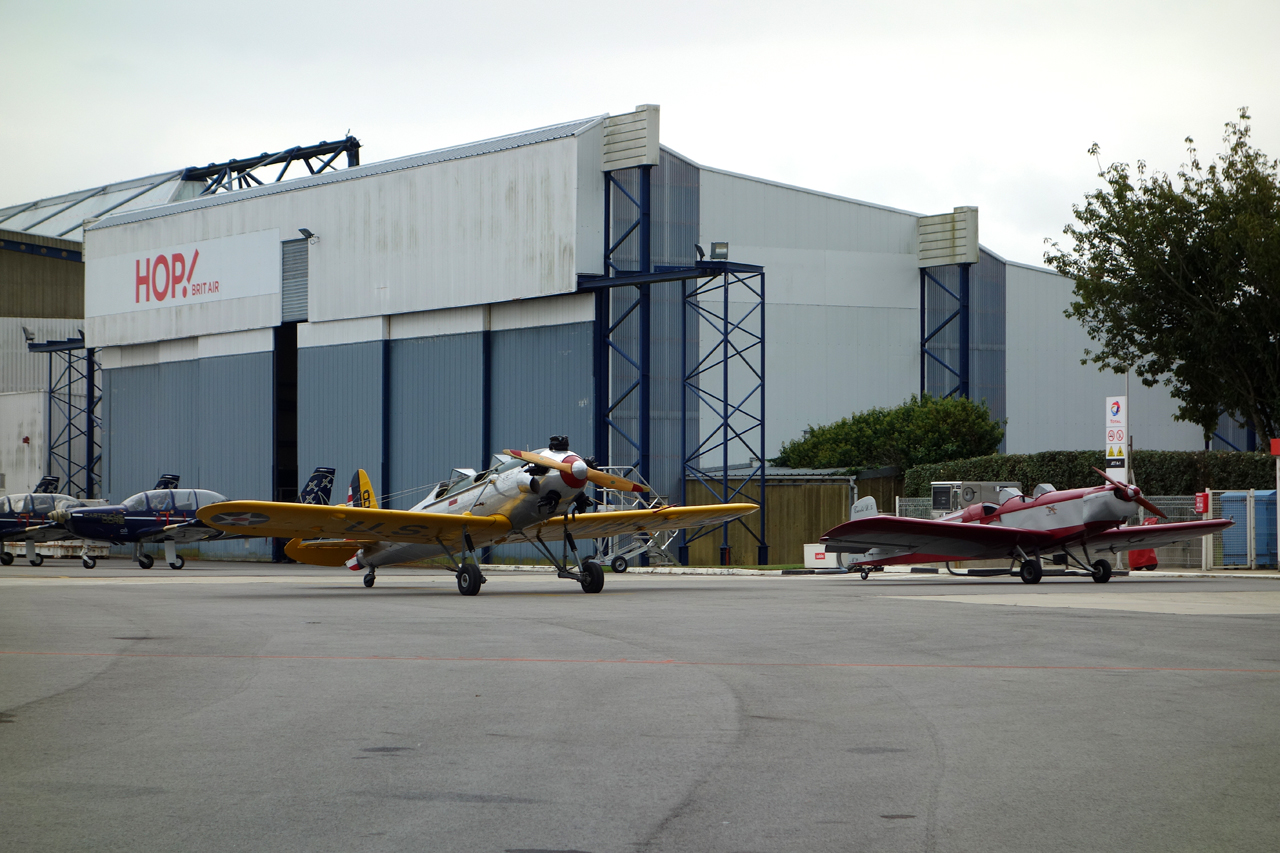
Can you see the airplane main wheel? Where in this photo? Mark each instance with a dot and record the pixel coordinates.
(36, 559)
(146, 561)
(1101, 571)
(369, 579)
(1030, 571)
(469, 579)
(6, 558)
(181, 561)
(89, 562)
(619, 564)
(592, 576)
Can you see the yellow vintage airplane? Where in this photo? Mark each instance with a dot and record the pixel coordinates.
(525, 497)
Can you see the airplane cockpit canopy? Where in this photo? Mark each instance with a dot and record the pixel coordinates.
(171, 500)
(38, 503)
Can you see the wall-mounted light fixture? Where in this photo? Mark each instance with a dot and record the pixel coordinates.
(719, 251)
(312, 239)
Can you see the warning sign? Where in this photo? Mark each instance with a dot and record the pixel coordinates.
(1117, 426)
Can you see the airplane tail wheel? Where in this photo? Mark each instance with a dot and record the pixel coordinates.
(36, 559)
(1101, 571)
(89, 562)
(6, 558)
(146, 561)
(592, 576)
(1030, 572)
(865, 573)
(619, 564)
(369, 579)
(469, 579)
(179, 563)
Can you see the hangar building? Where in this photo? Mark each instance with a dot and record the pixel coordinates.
(418, 314)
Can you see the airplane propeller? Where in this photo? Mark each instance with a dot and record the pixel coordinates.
(600, 478)
(1127, 492)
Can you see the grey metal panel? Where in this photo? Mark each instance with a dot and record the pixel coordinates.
(435, 412)
(209, 421)
(21, 369)
(542, 387)
(293, 281)
(440, 155)
(340, 412)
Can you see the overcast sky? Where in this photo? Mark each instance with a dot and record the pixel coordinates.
(917, 105)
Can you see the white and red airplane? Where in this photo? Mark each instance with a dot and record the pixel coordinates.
(524, 497)
(1021, 529)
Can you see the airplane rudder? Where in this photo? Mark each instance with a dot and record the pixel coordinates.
(360, 492)
(319, 488)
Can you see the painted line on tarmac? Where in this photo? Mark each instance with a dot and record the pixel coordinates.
(670, 662)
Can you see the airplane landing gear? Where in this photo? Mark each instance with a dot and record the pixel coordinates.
(865, 574)
(171, 555)
(1101, 571)
(592, 576)
(469, 578)
(32, 557)
(6, 558)
(146, 561)
(370, 578)
(1030, 571)
(88, 561)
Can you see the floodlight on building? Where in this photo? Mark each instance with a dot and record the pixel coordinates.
(719, 251)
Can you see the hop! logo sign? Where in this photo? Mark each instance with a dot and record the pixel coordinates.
(167, 277)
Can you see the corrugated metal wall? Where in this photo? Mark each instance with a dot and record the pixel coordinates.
(986, 333)
(542, 387)
(435, 412)
(209, 421)
(340, 412)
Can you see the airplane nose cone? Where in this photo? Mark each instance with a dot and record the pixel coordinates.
(579, 469)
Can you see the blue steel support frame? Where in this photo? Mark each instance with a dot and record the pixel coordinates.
(78, 366)
(641, 358)
(737, 338)
(961, 316)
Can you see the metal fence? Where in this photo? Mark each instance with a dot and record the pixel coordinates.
(1206, 552)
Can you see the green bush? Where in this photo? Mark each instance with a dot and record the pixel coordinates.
(1158, 472)
(922, 430)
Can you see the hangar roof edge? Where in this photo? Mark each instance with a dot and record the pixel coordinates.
(439, 155)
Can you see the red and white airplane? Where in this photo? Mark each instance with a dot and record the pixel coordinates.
(1021, 529)
(524, 497)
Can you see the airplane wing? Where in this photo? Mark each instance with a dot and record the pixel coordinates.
(311, 521)
(1153, 536)
(51, 532)
(598, 525)
(934, 541)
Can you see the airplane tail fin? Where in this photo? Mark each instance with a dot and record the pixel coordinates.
(318, 489)
(167, 481)
(48, 485)
(865, 508)
(360, 492)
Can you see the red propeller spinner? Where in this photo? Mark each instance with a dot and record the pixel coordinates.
(1127, 492)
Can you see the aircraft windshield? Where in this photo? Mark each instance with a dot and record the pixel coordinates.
(4, 505)
(42, 504)
(160, 500)
(137, 503)
(204, 497)
(184, 500)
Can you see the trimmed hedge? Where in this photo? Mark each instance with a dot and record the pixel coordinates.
(1159, 472)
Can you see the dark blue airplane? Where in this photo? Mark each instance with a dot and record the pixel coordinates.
(25, 518)
(164, 514)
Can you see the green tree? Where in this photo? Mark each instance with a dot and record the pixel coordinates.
(921, 431)
(1180, 280)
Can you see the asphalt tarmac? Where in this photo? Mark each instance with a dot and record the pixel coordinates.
(246, 707)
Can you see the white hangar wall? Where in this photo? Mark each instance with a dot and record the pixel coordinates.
(417, 234)
(842, 297)
(1056, 403)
